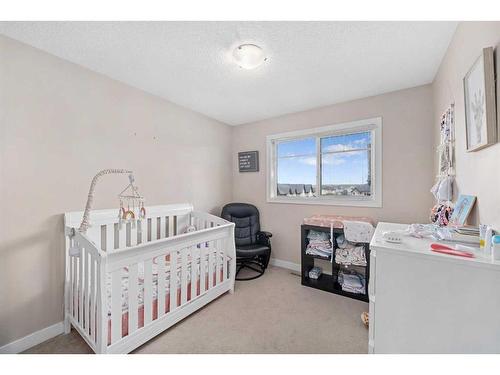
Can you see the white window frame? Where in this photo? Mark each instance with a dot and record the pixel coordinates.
(373, 125)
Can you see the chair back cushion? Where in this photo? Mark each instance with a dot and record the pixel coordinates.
(246, 219)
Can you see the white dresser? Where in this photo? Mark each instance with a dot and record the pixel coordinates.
(426, 302)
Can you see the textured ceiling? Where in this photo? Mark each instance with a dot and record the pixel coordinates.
(310, 64)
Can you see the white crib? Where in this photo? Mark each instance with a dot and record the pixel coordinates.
(118, 289)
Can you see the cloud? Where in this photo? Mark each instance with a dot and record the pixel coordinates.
(331, 160)
(338, 147)
(360, 141)
(355, 145)
(309, 160)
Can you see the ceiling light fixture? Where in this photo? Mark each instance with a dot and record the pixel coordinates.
(249, 56)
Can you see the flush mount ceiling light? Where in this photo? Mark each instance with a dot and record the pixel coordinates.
(249, 56)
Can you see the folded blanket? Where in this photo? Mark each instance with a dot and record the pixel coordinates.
(358, 231)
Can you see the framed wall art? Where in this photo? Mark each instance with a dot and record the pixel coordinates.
(480, 106)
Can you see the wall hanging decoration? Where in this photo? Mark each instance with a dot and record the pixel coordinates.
(480, 106)
(443, 188)
(248, 161)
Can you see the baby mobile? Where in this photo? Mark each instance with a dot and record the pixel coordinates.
(443, 188)
(132, 208)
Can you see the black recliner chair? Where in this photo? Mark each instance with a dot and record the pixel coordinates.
(253, 246)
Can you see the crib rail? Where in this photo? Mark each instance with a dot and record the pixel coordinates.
(167, 277)
(108, 235)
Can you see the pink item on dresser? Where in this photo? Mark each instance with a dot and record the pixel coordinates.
(334, 220)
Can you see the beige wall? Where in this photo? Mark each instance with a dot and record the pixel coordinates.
(477, 172)
(60, 124)
(408, 159)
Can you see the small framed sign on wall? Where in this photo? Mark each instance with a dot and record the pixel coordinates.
(248, 161)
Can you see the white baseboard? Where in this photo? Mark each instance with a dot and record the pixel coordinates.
(33, 339)
(285, 264)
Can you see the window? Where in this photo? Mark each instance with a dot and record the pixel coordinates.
(338, 165)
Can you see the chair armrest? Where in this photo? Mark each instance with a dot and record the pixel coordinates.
(264, 233)
(264, 238)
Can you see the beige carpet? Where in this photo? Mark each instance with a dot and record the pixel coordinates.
(273, 314)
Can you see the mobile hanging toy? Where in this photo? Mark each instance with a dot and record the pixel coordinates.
(132, 208)
(129, 197)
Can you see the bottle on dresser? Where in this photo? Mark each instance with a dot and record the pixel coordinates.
(496, 247)
(485, 239)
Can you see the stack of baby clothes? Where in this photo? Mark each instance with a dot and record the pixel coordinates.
(352, 282)
(349, 253)
(319, 244)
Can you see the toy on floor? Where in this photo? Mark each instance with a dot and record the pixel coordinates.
(365, 318)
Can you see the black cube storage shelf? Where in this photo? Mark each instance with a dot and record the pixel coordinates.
(328, 282)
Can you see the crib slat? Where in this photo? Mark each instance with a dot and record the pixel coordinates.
(154, 229)
(194, 269)
(102, 242)
(92, 308)
(171, 226)
(122, 236)
(75, 286)
(218, 263)
(101, 306)
(128, 234)
(133, 234)
(87, 306)
(184, 270)
(161, 224)
(72, 285)
(224, 259)
(141, 231)
(175, 225)
(81, 262)
(148, 291)
(167, 226)
(161, 285)
(173, 280)
(116, 306)
(110, 237)
(211, 269)
(133, 303)
(203, 262)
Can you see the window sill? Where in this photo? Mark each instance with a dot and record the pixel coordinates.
(373, 203)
